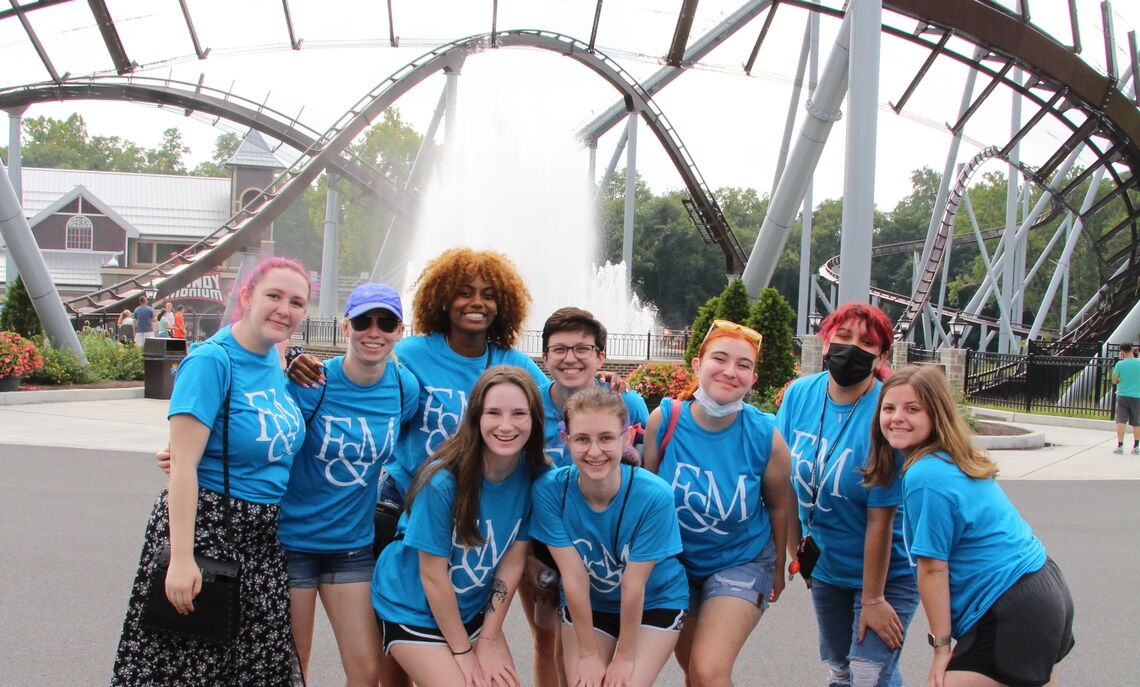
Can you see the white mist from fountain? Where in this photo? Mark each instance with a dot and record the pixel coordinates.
(514, 180)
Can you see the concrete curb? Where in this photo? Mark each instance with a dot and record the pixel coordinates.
(1017, 442)
(14, 398)
(1052, 420)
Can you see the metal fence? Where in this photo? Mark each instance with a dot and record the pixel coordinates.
(1079, 384)
(315, 331)
(916, 355)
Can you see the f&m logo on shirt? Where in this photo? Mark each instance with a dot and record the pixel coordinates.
(702, 507)
(437, 423)
(605, 571)
(352, 452)
(471, 566)
(804, 454)
(280, 422)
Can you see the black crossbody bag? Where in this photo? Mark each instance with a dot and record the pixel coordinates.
(217, 609)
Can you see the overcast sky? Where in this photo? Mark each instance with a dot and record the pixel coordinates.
(730, 122)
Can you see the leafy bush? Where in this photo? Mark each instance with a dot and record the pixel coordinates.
(660, 379)
(110, 359)
(772, 317)
(19, 315)
(61, 366)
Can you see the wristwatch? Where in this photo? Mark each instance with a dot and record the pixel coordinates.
(937, 642)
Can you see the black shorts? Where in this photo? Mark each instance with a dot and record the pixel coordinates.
(609, 624)
(1024, 634)
(395, 633)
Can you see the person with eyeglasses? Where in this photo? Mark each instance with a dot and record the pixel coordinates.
(573, 351)
(613, 533)
(728, 468)
(862, 585)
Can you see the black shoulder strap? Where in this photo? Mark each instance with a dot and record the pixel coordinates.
(621, 513)
(226, 435)
(324, 389)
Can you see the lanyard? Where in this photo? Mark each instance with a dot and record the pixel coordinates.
(823, 465)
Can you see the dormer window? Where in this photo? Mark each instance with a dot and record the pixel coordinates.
(80, 233)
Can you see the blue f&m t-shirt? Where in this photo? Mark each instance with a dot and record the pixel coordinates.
(715, 478)
(446, 378)
(970, 524)
(329, 503)
(265, 424)
(397, 590)
(646, 530)
(840, 522)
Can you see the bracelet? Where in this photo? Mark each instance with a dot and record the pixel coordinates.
(460, 653)
(875, 601)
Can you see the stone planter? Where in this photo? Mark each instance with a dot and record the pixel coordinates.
(10, 383)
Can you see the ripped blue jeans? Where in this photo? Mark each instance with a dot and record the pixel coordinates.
(869, 663)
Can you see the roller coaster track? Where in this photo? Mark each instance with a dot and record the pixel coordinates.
(245, 226)
(944, 236)
(196, 97)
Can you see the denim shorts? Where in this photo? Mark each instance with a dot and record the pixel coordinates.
(751, 581)
(390, 491)
(309, 570)
(837, 611)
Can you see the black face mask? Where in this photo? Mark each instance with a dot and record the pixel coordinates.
(848, 364)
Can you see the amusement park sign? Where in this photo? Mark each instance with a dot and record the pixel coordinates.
(208, 287)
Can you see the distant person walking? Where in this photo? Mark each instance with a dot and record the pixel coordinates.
(179, 330)
(1126, 377)
(125, 328)
(144, 321)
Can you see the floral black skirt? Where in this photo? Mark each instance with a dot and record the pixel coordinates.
(263, 653)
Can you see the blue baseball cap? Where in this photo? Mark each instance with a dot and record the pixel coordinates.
(372, 296)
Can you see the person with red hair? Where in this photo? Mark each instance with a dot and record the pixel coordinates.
(847, 540)
(728, 469)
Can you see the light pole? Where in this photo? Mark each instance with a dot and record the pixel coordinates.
(957, 329)
(813, 321)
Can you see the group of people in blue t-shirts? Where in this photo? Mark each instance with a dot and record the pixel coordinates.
(628, 536)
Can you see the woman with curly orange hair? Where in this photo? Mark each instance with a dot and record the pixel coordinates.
(468, 310)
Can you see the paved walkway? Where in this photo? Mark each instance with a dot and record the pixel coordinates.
(77, 480)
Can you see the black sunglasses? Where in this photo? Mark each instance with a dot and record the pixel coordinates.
(386, 323)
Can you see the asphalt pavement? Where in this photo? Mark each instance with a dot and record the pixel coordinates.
(77, 481)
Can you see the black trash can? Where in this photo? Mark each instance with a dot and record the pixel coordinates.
(160, 360)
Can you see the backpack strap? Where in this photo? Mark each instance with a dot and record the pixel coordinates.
(674, 416)
(316, 409)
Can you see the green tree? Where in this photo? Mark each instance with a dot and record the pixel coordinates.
(733, 304)
(19, 315)
(224, 148)
(772, 317)
(66, 144)
(167, 158)
(673, 267)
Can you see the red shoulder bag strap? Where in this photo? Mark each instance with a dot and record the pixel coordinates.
(673, 417)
